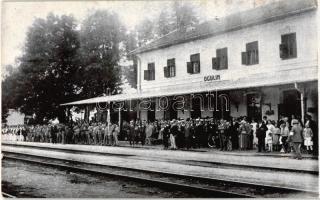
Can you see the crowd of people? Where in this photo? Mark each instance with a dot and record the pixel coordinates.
(76, 133)
(284, 135)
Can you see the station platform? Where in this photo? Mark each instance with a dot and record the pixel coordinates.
(267, 168)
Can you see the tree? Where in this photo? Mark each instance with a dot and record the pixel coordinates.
(166, 23)
(8, 88)
(184, 14)
(145, 32)
(100, 36)
(130, 72)
(48, 63)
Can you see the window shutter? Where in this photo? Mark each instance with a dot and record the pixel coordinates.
(225, 62)
(223, 59)
(174, 70)
(146, 74)
(165, 71)
(189, 68)
(215, 63)
(244, 57)
(293, 42)
(283, 51)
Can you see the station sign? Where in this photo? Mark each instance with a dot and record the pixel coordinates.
(212, 78)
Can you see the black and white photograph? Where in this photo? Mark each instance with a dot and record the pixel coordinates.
(160, 99)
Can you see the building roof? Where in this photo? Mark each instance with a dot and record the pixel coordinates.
(256, 79)
(263, 14)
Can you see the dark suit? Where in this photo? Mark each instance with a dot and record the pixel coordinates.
(314, 128)
(261, 135)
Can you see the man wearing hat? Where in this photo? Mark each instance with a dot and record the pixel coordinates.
(296, 138)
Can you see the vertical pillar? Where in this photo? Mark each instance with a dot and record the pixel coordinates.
(119, 117)
(301, 100)
(108, 118)
(302, 106)
(138, 110)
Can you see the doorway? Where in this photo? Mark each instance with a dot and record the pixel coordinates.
(253, 107)
(291, 104)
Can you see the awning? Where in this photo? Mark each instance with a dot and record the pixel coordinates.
(298, 75)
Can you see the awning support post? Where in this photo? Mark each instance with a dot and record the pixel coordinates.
(301, 101)
(119, 117)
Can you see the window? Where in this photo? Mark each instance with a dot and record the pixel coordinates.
(170, 69)
(251, 55)
(221, 60)
(193, 67)
(288, 46)
(149, 74)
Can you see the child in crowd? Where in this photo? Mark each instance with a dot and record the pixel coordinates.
(307, 135)
(269, 140)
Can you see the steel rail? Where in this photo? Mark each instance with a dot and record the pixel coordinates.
(197, 162)
(223, 182)
(202, 191)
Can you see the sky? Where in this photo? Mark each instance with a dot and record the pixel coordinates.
(17, 16)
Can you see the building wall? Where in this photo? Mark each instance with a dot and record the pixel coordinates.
(268, 36)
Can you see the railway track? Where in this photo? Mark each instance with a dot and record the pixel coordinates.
(202, 186)
(186, 162)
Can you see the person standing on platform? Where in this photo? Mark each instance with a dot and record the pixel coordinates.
(137, 132)
(187, 134)
(110, 134)
(180, 136)
(115, 133)
(254, 132)
(198, 132)
(206, 133)
(270, 132)
(307, 135)
(166, 135)
(222, 135)
(285, 130)
(126, 130)
(131, 132)
(86, 133)
(261, 135)
(314, 127)
(276, 137)
(234, 133)
(296, 138)
(95, 133)
(148, 131)
(63, 134)
(89, 133)
(173, 133)
(244, 136)
(142, 132)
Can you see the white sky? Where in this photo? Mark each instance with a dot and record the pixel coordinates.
(18, 16)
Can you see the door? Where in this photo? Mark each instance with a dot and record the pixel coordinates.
(196, 108)
(291, 103)
(152, 112)
(253, 107)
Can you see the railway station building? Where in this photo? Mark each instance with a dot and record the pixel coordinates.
(259, 62)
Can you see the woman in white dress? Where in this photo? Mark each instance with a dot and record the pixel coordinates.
(254, 125)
